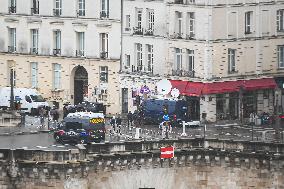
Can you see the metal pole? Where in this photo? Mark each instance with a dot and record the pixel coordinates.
(183, 129)
(12, 104)
(277, 119)
(241, 104)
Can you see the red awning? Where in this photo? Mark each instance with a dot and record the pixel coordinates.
(234, 86)
(180, 85)
(221, 87)
(197, 88)
(258, 84)
(194, 88)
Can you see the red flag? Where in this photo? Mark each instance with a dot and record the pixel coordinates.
(167, 152)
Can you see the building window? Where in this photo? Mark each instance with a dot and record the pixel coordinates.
(12, 40)
(127, 60)
(191, 25)
(150, 58)
(178, 25)
(34, 74)
(190, 54)
(139, 53)
(150, 20)
(57, 11)
(35, 7)
(104, 9)
(232, 60)
(56, 76)
(80, 44)
(280, 20)
(81, 8)
(138, 30)
(12, 6)
(280, 55)
(57, 42)
(178, 59)
(104, 45)
(248, 22)
(103, 95)
(127, 23)
(103, 74)
(34, 41)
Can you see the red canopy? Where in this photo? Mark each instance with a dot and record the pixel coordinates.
(194, 88)
(198, 88)
(180, 85)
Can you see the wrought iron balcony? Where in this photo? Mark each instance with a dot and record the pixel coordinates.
(80, 53)
(137, 31)
(57, 12)
(56, 52)
(189, 36)
(149, 32)
(104, 14)
(11, 49)
(104, 55)
(12, 9)
(34, 10)
(178, 1)
(34, 50)
(189, 73)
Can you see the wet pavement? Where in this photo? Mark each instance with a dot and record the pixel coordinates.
(32, 135)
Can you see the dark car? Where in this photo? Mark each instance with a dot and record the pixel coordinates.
(153, 111)
(81, 127)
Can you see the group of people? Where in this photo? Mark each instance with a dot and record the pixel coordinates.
(53, 113)
(134, 118)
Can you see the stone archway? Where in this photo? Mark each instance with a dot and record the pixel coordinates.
(80, 84)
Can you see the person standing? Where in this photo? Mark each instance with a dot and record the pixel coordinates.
(129, 119)
(118, 123)
(112, 123)
(41, 112)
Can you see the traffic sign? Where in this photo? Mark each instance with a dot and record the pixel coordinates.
(167, 152)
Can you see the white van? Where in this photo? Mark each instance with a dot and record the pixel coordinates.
(29, 99)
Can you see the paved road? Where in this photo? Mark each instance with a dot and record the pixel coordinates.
(32, 136)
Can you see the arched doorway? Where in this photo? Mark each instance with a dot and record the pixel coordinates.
(80, 84)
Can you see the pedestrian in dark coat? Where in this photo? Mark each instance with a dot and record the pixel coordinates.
(118, 123)
(129, 118)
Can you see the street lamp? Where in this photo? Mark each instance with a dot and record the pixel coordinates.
(277, 119)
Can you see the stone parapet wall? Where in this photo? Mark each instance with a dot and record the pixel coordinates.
(189, 169)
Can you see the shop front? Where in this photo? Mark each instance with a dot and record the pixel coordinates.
(229, 100)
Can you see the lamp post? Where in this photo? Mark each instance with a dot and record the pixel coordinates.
(277, 118)
(12, 104)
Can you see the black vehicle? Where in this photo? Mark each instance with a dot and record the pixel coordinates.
(94, 107)
(154, 109)
(81, 127)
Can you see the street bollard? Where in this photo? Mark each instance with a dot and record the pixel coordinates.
(183, 129)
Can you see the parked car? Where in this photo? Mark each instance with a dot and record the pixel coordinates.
(81, 127)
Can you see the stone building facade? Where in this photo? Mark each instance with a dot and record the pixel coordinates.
(236, 47)
(67, 50)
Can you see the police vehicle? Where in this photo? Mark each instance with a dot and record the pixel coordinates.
(81, 127)
(154, 110)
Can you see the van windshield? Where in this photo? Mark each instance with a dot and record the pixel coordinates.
(37, 98)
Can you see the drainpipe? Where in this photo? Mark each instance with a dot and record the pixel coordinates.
(12, 104)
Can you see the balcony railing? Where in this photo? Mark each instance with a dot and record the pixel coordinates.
(80, 53)
(12, 9)
(137, 31)
(149, 32)
(11, 49)
(104, 14)
(34, 50)
(34, 10)
(57, 12)
(183, 73)
(178, 1)
(104, 55)
(177, 36)
(189, 36)
(80, 12)
(56, 52)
